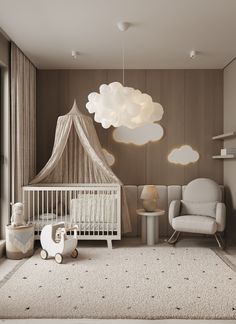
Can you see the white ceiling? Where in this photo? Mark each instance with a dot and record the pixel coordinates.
(163, 32)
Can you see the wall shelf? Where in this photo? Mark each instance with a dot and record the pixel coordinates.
(228, 156)
(224, 136)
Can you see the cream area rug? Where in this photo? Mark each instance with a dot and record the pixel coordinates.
(127, 283)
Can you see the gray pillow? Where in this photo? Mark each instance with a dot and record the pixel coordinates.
(198, 208)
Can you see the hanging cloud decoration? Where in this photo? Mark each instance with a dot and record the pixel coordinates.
(140, 135)
(183, 155)
(117, 106)
(109, 157)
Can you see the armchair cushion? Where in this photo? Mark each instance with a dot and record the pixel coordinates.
(198, 208)
(174, 210)
(203, 190)
(195, 224)
(220, 216)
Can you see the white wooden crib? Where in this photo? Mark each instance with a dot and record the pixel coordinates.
(95, 208)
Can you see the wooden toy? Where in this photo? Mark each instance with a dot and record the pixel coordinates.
(52, 248)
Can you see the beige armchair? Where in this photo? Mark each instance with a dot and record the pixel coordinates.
(201, 211)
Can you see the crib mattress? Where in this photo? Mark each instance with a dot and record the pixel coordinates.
(85, 226)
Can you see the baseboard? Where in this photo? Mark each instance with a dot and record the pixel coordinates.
(2, 247)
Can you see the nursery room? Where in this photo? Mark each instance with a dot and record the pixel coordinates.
(118, 161)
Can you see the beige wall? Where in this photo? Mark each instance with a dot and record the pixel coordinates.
(5, 136)
(193, 113)
(230, 165)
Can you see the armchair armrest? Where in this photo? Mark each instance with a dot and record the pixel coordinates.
(174, 210)
(220, 216)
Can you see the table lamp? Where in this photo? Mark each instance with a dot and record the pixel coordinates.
(149, 197)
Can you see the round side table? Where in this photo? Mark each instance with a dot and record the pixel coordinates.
(152, 230)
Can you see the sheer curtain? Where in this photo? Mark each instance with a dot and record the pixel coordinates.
(23, 121)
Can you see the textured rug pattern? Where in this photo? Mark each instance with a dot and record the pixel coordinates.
(136, 282)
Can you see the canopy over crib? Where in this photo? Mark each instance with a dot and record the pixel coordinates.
(77, 157)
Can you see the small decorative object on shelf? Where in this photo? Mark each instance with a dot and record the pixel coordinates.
(19, 235)
(149, 197)
(225, 153)
(228, 151)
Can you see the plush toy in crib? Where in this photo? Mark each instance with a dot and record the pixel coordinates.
(17, 217)
(52, 247)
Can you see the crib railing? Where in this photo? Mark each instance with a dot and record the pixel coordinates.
(95, 208)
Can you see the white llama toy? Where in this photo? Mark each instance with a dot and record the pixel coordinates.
(17, 217)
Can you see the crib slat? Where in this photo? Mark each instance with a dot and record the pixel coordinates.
(37, 212)
(93, 208)
(66, 210)
(71, 215)
(43, 205)
(52, 211)
(113, 212)
(56, 206)
(33, 210)
(61, 205)
(28, 216)
(78, 213)
(102, 215)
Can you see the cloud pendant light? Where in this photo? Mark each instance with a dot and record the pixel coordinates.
(116, 105)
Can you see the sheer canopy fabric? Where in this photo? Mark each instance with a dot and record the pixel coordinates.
(77, 157)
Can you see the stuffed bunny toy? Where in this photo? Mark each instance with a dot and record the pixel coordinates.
(17, 218)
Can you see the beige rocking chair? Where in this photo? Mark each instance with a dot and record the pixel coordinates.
(201, 211)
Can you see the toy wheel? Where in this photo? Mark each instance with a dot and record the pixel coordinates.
(44, 254)
(74, 254)
(58, 258)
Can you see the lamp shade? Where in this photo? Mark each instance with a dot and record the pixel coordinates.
(149, 192)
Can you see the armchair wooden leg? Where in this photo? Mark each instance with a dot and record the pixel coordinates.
(220, 241)
(174, 237)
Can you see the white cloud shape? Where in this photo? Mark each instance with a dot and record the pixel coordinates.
(117, 106)
(109, 157)
(183, 155)
(140, 135)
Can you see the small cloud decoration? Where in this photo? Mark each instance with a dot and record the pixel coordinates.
(183, 155)
(140, 135)
(117, 106)
(109, 157)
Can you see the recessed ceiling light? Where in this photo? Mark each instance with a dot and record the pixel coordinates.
(75, 54)
(193, 54)
(123, 26)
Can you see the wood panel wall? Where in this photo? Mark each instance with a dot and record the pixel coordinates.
(193, 113)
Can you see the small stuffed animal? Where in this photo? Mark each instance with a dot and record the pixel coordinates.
(17, 217)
